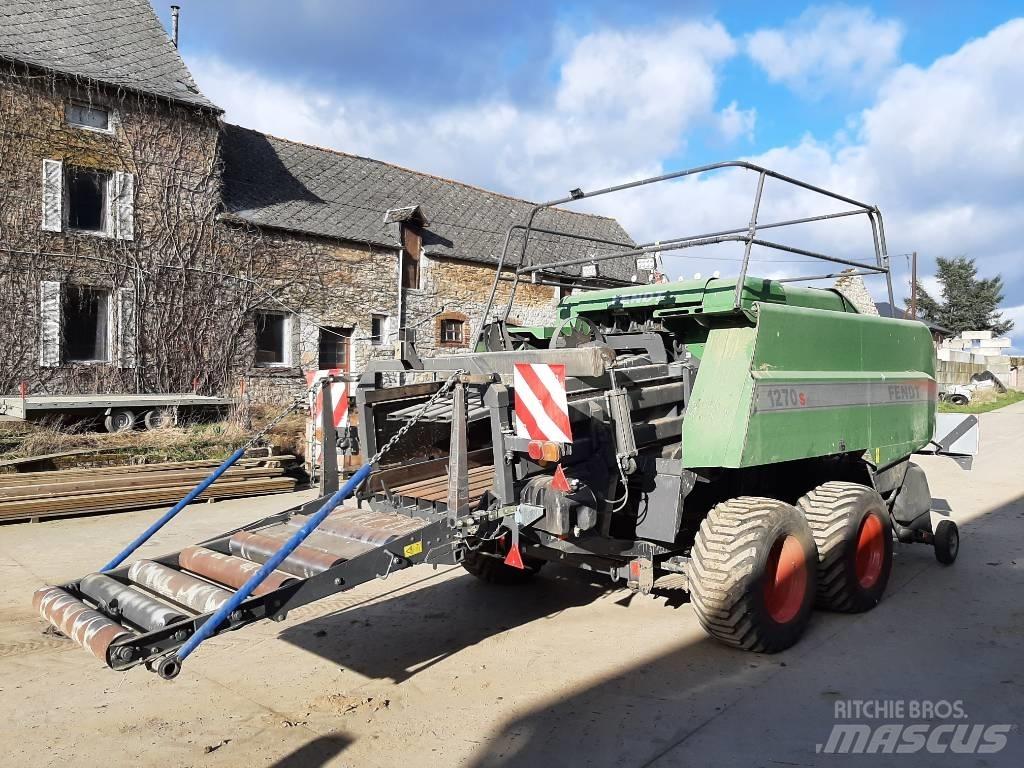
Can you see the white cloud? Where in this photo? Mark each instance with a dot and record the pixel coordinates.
(837, 47)
(941, 149)
(734, 122)
(622, 100)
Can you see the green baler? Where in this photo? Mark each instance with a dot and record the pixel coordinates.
(749, 435)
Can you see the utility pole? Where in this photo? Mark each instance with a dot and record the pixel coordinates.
(913, 286)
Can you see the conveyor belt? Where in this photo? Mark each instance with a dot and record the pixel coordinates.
(144, 611)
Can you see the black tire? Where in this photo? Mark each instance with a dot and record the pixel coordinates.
(947, 542)
(853, 531)
(493, 570)
(119, 420)
(730, 566)
(158, 418)
(959, 399)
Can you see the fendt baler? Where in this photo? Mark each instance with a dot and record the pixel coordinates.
(749, 434)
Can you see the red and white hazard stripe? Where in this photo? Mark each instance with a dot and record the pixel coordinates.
(542, 412)
(339, 396)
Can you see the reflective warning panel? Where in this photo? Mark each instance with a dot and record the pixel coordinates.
(542, 412)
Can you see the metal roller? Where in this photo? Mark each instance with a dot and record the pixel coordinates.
(87, 627)
(199, 595)
(325, 542)
(367, 527)
(119, 600)
(229, 570)
(303, 562)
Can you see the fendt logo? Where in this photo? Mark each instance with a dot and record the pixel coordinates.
(899, 393)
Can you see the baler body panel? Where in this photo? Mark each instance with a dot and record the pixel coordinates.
(807, 382)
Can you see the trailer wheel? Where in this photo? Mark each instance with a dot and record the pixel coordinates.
(752, 574)
(853, 532)
(158, 418)
(947, 542)
(119, 420)
(485, 566)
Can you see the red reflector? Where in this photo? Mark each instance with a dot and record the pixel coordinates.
(515, 558)
(535, 450)
(560, 482)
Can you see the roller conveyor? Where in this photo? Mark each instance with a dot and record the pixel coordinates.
(143, 612)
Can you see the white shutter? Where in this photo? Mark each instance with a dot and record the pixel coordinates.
(49, 324)
(53, 195)
(123, 208)
(126, 333)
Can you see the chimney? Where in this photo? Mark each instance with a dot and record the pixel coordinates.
(175, 12)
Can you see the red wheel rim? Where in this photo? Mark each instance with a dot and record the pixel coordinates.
(870, 551)
(785, 579)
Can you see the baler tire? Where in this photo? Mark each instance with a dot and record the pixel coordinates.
(853, 531)
(492, 570)
(730, 563)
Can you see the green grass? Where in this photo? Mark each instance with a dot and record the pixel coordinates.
(984, 403)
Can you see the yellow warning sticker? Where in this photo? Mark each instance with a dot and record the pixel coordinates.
(878, 455)
(413, 549)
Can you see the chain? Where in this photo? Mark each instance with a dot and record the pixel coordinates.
(294, 405)
(419, 414)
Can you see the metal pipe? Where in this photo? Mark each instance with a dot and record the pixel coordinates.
(752, 232)
(117, 599)
(76, 620)
(228, 570)
(183, 588)
(142, 538)
(175, 15)
(303, 562)
(212, 624)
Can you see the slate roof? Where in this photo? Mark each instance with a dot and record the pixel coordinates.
(116, 42)
(282, 184)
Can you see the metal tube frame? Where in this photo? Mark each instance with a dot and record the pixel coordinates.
(746, 235)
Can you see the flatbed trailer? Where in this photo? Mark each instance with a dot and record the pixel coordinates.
(120, 412)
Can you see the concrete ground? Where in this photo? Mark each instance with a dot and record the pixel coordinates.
(432, 668)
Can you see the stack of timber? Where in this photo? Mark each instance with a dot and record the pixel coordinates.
(34, 495)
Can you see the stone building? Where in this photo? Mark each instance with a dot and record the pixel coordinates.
(146, 245)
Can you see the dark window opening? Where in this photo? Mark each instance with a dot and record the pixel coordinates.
(87, 199)
(271, 335)
(85, 313)
(412, 247)
(334, 348)
(87, 116)
(377, 330)
(452, 331)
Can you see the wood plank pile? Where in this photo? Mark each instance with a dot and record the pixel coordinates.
(34, 495)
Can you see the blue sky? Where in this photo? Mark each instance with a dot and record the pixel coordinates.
(914, 106)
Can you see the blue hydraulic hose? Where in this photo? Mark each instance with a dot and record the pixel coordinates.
(210, 625)
(145, 535)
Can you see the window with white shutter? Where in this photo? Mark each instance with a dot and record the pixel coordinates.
(49, 324)
(123, 207)
(53, 195)
(126, 334)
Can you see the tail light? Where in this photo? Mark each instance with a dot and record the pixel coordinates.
(543, 450)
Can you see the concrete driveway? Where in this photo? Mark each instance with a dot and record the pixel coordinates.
(432, 668)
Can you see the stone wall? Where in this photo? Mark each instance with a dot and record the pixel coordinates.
(856, 291)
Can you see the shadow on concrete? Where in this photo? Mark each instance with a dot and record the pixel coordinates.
(314, 754)
(396, 637)
(658, 710)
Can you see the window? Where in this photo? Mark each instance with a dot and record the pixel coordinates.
(87, 199)
(334, 348)
(86, 318)
(378, 329)
(452, 329)
(412, 247)
(85, 115)
(564, 291)
(271, 338)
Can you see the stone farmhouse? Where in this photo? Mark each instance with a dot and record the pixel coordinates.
(148, 246)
